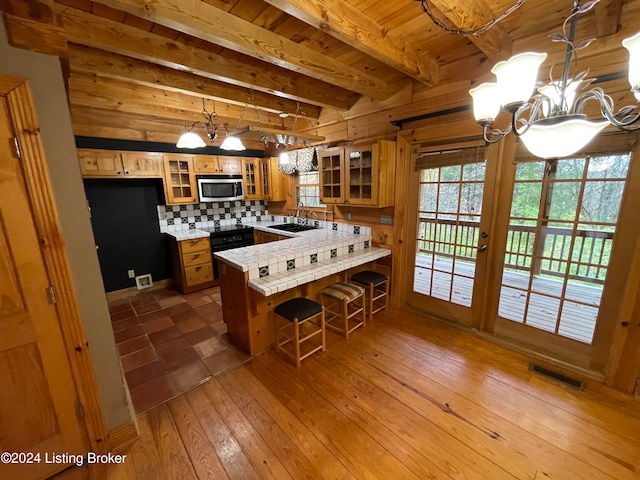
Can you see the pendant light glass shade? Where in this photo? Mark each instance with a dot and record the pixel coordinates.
(486, 102)
(283, 158)
(232, 143)
(190, 140)
(550, 138)
(633, 45)
(553, 92)
(517, 77)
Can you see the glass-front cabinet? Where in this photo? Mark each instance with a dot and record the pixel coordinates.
(359, 175)
(180, 180)
(251, 177)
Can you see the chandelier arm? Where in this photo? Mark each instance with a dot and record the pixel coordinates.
(496, 134)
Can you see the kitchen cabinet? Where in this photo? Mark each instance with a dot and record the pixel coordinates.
(116, 164)
(272, 180)
(179, 179)
(266, 237)
(192, 264)
(213, 164)
(359, 175)
(251, 177)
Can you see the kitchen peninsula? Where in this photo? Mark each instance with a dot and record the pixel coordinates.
(255, 279)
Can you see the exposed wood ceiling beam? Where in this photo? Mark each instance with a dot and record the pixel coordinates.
(205, 21)
(111, 65)
(348, 24)
(608, 14)
(470, 14)
(92, 91)
(86, 29)
(34, 25)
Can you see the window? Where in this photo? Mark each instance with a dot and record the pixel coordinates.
(308, 189)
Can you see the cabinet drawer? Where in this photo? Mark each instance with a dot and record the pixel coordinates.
(196, 258)
(195, 245)
(197, 274)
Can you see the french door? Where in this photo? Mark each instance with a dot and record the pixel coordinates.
(561, 230)
(453, 188)
(537, 258)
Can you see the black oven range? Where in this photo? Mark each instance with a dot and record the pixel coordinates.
(227, 237)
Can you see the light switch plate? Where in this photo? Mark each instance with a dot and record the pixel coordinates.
(386, 219)
(347, 216)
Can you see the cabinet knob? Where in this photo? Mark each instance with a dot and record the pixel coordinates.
(198, 268)
(196, 255)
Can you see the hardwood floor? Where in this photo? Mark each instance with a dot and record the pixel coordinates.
(404, 398)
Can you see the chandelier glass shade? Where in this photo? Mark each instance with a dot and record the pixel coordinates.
(552, 122)
(191, 140)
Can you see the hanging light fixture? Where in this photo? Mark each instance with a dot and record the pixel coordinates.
(556, 125)
(190, 139)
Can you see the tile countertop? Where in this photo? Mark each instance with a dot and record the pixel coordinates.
(277, 266)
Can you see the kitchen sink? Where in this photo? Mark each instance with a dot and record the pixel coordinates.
(293, 227)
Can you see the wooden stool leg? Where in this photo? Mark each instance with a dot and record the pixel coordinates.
(323, 326)
(345, 318)
(296, 340)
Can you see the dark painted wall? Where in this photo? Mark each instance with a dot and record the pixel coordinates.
(124, 218)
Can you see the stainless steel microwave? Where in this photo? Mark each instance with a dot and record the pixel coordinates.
(220, 188)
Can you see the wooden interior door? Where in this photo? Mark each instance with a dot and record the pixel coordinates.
(39, 407)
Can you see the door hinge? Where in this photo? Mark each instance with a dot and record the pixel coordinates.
(16, 147)
(80, 411)
(51, 292)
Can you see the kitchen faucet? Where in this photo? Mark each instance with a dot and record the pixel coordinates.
(300, 209)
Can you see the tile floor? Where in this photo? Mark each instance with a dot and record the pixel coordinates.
(169, 343)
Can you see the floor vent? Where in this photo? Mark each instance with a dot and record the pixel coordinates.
(556, 376)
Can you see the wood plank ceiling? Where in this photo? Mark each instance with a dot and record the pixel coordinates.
(140, 69)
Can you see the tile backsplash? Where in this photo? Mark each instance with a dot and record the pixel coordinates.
(173, 218)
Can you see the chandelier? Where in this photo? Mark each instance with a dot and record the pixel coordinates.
(556, 125)
(191, 139)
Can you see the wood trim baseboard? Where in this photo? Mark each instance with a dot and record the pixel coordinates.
(122, 437)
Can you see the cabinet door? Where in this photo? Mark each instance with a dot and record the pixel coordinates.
(100, 163)
(330, 163)
(179, 179)
(206, 164)
(142, 164)
(230, 165)
(361, 176)
(273, 180)
(251, 175)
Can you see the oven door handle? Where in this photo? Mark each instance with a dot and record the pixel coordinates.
(238, 187)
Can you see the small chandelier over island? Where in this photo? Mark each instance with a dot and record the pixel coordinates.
(556, 125)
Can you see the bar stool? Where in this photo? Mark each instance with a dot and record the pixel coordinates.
(306, 320)
(377, 290)
(344, 296)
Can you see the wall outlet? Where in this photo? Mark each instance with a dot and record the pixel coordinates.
(386, 219)
(131, 274)
(168, 215)
(347, 216)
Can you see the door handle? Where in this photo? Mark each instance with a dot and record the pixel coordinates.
(482, 248)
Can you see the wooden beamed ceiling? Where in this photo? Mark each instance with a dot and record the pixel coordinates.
(140, 69)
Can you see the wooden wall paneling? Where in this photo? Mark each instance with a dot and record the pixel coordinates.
(402, 248)
(48, 226)
(608, 17)
(373, 125)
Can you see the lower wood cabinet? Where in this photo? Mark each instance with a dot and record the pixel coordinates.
(265, 237)
(192, 264)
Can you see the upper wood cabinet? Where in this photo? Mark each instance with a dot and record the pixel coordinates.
(272, 180)
(142, 164)
(179, 179)
(251, 177)
(230, 165)
(362, 175)
(115, 164)
(213, 164)
(206, 164)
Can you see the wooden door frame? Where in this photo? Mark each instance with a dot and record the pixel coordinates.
(45, 216)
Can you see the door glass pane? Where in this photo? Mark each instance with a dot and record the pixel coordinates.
(450, 206)
(555, 266)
